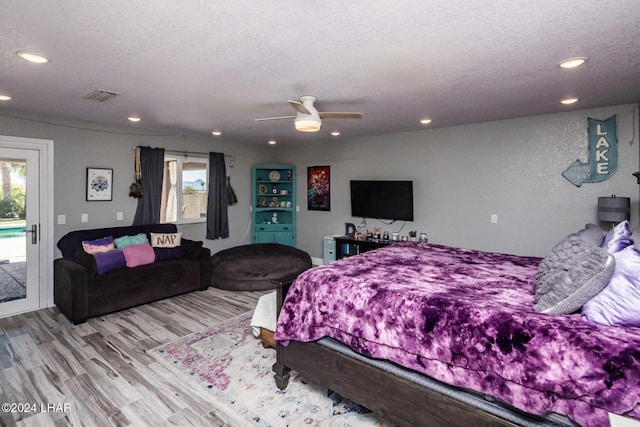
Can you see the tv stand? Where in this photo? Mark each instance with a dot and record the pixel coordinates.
(348, 246)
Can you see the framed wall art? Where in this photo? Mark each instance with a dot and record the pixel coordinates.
(318, 188)
(99, 184)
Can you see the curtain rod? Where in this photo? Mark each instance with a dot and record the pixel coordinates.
(133, 148)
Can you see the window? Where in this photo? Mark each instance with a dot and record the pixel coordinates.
(184, 189)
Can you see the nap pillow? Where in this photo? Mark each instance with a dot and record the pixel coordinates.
(99, 245)
(618, 238)
(165, 240)
(619, 303)
(124, 241)
(570, 275)
(109, 261)
(140, 254)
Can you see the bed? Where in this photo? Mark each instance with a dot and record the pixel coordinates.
(426, 334)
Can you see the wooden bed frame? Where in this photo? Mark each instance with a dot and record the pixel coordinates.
(398, 400)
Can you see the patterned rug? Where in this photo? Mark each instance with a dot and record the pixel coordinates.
(230, 364)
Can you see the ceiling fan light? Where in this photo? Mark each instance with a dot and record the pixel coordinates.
(307, 124)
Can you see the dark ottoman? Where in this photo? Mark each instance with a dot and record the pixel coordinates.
(253, 267)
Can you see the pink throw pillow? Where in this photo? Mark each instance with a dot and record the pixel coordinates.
(140, 254)
(98, 246)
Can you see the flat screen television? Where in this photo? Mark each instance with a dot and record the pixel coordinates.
(382, 199)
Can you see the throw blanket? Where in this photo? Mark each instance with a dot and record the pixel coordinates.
(466, 317)
(265, 314)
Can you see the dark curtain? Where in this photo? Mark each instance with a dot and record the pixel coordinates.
(151, 169)
(217, 218)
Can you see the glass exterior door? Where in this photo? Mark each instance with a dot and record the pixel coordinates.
(19, 231)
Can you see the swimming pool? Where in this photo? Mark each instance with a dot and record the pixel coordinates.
(17, 231)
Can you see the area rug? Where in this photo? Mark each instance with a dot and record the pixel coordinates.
(229, 363)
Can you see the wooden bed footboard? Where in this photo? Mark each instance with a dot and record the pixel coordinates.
(398, 400)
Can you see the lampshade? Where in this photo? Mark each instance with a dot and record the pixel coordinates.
(614, 209)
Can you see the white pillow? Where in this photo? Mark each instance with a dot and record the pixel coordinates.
(165, 240)
(618, 304)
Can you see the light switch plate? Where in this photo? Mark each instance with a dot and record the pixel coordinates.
(62, 219)
(119, 216)
(84, 217)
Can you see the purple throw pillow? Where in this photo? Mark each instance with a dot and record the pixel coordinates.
(109, 261)
(140, 254)
(618, 304)
(618, 238)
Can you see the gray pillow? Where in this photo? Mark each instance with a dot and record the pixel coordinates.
(591, 233)
(570, 275)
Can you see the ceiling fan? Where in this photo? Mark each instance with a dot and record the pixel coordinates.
(307, 118)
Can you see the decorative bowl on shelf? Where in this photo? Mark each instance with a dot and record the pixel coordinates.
(274, 175)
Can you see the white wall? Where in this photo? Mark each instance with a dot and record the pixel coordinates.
(79, 145)
(462, 175)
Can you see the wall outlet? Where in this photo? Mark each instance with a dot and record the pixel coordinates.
(119, 216)
(84, 217)
(494, 218)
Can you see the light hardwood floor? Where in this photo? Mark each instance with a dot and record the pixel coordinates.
(99, 374)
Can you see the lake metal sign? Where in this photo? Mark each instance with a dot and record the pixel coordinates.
(603, 154)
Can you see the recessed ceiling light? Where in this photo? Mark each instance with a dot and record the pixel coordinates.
(272, 141)
(425, 121)
(5, 97)
(216, 133)
(572, 62)
(335, 132)
(33, 57)
(134, 119)
(568, 101)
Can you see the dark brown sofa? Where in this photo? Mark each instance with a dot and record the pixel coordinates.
(80, 293)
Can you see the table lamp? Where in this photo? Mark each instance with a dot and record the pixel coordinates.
(614, 209)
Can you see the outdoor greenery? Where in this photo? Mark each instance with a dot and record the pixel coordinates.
(189, 190)
(13, 206)
(12, 203)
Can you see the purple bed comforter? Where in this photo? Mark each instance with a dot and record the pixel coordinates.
(466, 318)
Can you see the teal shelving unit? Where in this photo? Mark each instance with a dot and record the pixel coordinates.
(274, 203)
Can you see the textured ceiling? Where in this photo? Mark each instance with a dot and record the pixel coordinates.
(191, 66)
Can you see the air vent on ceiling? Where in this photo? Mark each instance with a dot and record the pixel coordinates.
(100, 95)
